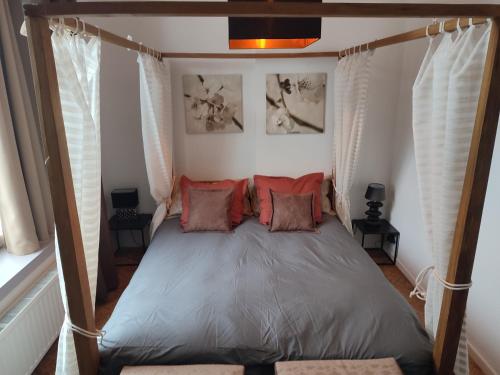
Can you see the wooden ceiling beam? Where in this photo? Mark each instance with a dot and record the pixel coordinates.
(259, 9)
(264, 55)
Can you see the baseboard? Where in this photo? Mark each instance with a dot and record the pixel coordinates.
(480, 361)
(473, 352)
(405, 271)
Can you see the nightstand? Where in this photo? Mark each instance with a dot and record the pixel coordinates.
(386, 232)
(140, 222)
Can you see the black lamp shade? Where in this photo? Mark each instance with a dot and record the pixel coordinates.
(273, 32)
(125, 198)
(375, 192)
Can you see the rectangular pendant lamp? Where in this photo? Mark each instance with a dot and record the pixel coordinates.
(272, 33)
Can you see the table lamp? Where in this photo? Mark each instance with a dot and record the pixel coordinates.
(375, 193)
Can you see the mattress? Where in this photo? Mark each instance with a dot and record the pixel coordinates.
(253, 297)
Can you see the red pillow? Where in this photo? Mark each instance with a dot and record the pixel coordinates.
(237, 206)
(310, 183)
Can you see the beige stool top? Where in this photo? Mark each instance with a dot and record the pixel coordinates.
(384, 366)
(184, 370)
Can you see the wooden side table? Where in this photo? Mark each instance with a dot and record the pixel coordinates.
(385, 230)
(140, 222)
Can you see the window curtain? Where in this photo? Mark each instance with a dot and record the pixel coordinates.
(445, 98)
(25, 206)
(156, 118)
(350, 91)
(77, 61)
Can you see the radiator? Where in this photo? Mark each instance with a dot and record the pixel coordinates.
(28, 330)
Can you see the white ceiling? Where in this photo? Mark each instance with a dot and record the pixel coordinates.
(198, 34)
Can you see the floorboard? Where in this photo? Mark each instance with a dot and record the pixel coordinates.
(103, 311)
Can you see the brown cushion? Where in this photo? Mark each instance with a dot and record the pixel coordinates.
(292, 212)
(184, 370)
(209, 210)
(382, 366)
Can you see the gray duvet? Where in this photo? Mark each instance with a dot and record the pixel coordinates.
(253, 297)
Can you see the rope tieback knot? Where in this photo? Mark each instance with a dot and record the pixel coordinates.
(97, 334)
(421, 294)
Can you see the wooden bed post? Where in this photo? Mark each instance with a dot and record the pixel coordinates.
(471, 208)
(62, 192)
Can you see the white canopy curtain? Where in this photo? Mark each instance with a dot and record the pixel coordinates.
(25, 207)
(78, 68)
(156, 116)
(445, 98)
(350, 91)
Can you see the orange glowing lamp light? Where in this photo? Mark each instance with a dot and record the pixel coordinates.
(273, 33)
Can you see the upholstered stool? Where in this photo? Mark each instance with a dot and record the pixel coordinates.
(384, 366)
(184, 370)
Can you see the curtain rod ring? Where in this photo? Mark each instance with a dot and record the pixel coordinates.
(427, 31)
(459, 28)
(441, 27)
(470, 22)
(77, 26)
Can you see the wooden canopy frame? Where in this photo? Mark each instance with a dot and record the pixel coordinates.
(61, 184)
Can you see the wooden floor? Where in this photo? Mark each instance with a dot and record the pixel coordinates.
(103, 311)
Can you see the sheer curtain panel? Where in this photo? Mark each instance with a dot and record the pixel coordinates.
(77, 61)
(156, 117)
(445, 98)
(25, 207)
(350, 91)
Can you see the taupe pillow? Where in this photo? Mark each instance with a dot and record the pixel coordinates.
(209, 210)
(292, 212)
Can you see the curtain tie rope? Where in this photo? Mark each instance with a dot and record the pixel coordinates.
(421, 294)
(98, 333)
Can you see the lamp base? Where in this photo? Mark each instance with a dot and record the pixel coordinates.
(373, 213)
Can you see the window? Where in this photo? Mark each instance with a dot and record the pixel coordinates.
(2, 242)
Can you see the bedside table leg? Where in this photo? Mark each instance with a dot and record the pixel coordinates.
(396, 249)
(117, 240)
(363, 241)
(143, 243)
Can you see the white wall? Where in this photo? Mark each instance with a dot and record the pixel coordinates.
(375, 158)
(483, 306)
(404, 207)
(238, 155)
(213, 156)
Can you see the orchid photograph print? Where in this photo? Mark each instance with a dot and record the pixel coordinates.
(213, 103)
(295, 103)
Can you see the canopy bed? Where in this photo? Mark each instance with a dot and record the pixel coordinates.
(67, 194)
